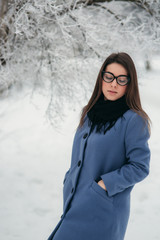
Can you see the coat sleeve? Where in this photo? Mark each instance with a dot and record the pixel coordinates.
(137, 155)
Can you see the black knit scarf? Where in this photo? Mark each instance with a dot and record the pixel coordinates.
(104, 114)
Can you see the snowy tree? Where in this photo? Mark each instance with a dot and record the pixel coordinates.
(57, 47)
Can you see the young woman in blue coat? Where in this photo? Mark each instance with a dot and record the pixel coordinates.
(110, 155)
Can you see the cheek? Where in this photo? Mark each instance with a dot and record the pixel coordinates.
(124, 90)
(104, 86)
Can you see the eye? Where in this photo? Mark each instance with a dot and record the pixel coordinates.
(122, 80)
(107, 77)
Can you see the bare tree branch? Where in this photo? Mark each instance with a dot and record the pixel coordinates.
(83, 32)
(108, 10)
(142, 4)
(51, 45)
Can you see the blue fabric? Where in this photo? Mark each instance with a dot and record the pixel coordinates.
(121, 158)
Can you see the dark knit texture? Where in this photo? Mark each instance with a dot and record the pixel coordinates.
(104, 114)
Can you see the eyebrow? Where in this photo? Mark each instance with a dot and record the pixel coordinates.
(116, 76)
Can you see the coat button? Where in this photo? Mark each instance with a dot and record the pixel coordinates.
(79, 163)
(85, 135)
(72, 190)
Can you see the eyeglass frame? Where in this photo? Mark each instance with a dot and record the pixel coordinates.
(114, 77)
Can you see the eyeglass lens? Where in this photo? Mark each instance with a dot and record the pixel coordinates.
(121, 80)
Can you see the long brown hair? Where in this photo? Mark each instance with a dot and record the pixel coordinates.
(132, 93)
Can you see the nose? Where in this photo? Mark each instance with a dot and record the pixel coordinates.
(114, 83)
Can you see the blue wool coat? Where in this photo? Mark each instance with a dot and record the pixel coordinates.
(121, 158)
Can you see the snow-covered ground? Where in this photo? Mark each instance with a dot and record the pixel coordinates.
(34, 158)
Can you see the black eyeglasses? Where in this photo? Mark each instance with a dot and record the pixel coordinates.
(121, 79)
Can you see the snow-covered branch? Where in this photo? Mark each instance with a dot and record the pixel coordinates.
(57, 47)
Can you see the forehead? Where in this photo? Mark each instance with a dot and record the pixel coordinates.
(116, 69)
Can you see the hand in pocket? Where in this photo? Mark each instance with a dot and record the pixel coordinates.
(102, 185)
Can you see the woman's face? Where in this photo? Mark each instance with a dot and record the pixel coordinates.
(113, 91)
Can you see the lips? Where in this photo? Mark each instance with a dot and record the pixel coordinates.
(111, 91)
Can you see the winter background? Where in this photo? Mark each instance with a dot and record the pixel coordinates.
(50, 53)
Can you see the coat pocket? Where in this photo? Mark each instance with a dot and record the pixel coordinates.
(100, 191)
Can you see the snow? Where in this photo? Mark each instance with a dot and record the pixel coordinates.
(35, 157)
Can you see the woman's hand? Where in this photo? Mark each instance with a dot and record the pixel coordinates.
(102, 185)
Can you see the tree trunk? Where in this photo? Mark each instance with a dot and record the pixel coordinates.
(3, 7)
(3, 27)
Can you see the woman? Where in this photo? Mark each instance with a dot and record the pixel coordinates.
(110, 155)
